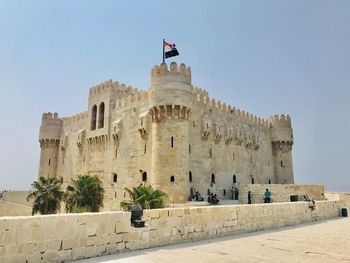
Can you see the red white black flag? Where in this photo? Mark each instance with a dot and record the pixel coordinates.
(170, 50)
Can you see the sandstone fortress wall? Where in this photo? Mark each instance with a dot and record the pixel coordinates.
(65, 237)
(172, 136)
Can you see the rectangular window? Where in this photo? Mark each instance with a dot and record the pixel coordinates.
(210, 153)
(189, 148)
(172, 142)
(49, 162)
(145, 149)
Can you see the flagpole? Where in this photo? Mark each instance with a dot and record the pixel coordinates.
(163, 50)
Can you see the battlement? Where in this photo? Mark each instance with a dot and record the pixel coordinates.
(76, 118)
(175, 73)
(202, 98)
(282, 121)
(113, 86)
(51, 126)
(47, 116)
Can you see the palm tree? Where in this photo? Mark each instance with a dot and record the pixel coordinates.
(85, 194)
(47, 195)
(145, 196)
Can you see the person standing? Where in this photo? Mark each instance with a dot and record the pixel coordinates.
(249, 197)
(267, 196)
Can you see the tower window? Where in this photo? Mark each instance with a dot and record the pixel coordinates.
(101, 115)
(189, 148)
(234, 179)
(115, 178)
(49, 162)
(213, 178)
(145, 149)
(116, 153)
(144, 177)
(93, 117)
(194, 124)
(210, 153)
(190, 176)
(269, 181)
(281, 163)
(172, 142)
(252, 180)
(172, 179)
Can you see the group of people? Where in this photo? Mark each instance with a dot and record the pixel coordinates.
(235, 193)
(212, 199)
(306, 198)
(267, 196)
(195, 195)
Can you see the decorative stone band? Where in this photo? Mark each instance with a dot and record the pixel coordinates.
(46, 143)
(162, 112)
(103, 138)
(283, 147)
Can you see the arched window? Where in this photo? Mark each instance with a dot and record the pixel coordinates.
(213, 178)
(115, 178)
(190, 176)
(269, 181)
(252, 180)
(93, 117)
(172, 179)
(234, 179)
(101, 115)
(144, 177)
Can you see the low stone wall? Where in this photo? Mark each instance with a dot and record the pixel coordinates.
(279, 192)
(65, 237)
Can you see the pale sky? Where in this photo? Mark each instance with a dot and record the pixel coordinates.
(264, 57)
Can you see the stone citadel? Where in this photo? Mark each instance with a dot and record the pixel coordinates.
(172, 136)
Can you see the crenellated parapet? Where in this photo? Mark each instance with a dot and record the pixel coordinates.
(113, 86)
(50, 130)
(80, 117)
(281, 128)
(162, 74)
(202, 98)
(282, 132)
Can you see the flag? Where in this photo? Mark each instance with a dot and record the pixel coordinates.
(170, 50)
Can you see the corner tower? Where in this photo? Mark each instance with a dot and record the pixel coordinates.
(282, 142)
(49, 138)
(170, 99)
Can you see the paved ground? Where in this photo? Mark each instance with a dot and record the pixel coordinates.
(323, 241)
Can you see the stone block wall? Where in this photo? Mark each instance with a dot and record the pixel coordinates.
(65, 237)
(279, 192)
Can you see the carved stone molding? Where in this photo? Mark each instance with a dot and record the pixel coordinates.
(283, 146)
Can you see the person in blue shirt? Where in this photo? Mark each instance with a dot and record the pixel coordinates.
(267, 196)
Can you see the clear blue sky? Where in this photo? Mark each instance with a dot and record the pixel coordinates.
(264, 57)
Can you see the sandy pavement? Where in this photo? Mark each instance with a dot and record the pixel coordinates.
(322, 241)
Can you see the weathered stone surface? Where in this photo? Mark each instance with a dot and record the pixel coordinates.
(172, 226)
(171, 136)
